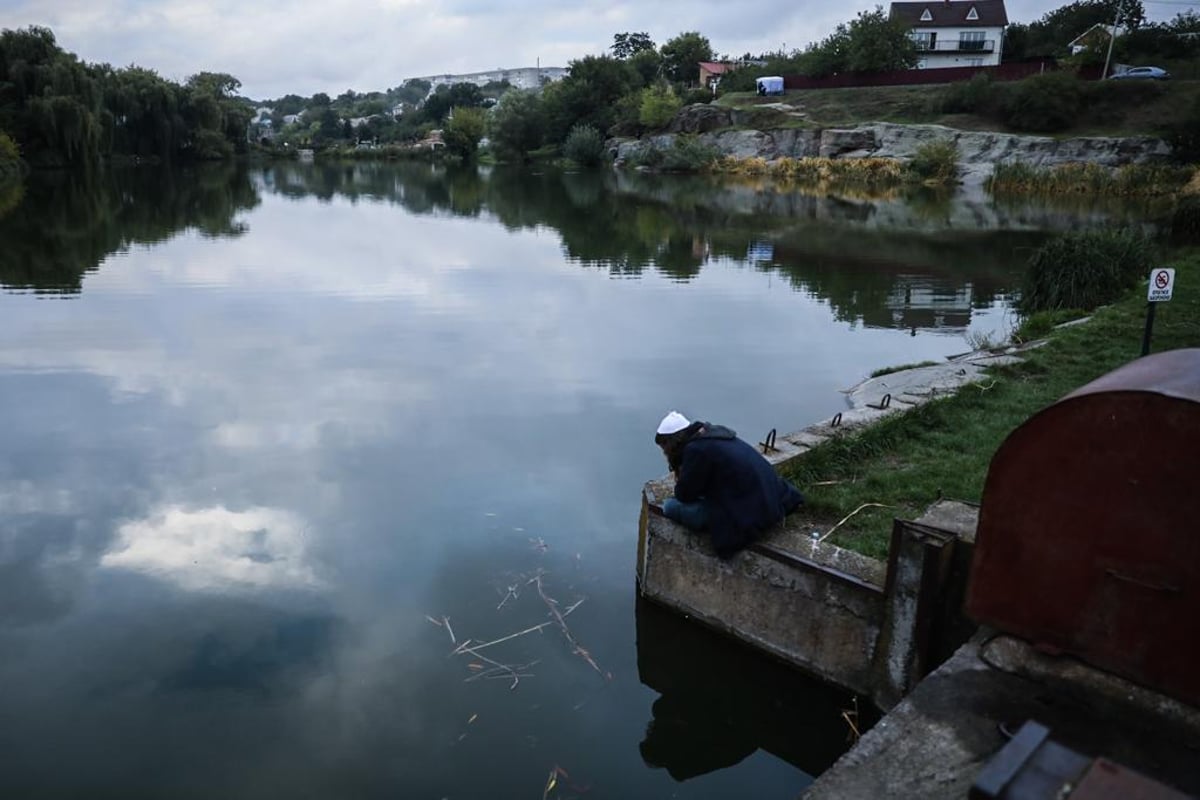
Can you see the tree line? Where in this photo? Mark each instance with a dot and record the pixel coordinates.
(62, 111)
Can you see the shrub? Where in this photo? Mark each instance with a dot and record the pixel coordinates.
(1044, 103)
(1184, 136)
(659, 106)
(584, 146)
(1085, 270)
(1185, 223)
(974, 96)
(936, 162)
(688, 154)
(697, 96)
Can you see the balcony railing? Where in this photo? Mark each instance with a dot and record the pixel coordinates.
(957, 46)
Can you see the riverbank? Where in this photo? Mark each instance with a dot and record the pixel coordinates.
(943, 448)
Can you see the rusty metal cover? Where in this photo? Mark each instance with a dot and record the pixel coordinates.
(1089, 531)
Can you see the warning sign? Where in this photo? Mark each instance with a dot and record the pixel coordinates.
(1162, 283)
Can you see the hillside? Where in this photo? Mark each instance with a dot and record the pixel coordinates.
(1110, 109)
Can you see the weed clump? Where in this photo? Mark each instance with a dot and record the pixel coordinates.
(1085, 270)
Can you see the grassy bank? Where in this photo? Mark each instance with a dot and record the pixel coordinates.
(943, 449)
(1110, 109)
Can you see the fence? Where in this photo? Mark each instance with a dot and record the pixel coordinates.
(1014, 71)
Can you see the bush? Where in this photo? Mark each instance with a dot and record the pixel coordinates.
(975, 96)
(1085, 270)
(659, 106)
(1044, 103)
(688, 154)
(696, 96)
(936, 162)
(1185, 223)
(1184, 137)
(584, 146)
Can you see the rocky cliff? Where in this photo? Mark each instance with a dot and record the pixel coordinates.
(978, 151)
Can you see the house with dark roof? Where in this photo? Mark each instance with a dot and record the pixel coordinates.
(955, 33)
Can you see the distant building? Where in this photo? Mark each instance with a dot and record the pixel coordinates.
(520, 77)
(711, 72)
(1094, 38)
(955, 33)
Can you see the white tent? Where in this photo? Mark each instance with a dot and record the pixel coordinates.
(769, 85)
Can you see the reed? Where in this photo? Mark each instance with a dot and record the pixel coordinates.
(1133, 180)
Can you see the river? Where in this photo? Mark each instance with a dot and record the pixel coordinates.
(278, 440)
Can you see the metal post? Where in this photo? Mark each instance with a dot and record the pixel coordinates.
(1149, 328)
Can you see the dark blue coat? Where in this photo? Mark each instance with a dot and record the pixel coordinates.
(743, 494)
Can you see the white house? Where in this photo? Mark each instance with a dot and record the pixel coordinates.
(955, 33)
(1095, 37)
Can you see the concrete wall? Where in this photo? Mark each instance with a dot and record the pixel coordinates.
(863, 625)
(821, 617)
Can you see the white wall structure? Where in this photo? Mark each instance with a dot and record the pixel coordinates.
(955, 33)
(520, 77)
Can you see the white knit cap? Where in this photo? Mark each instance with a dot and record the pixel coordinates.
(673, 423)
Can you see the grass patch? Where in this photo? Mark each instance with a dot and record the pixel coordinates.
(889, 370)
(1133, 180)
(943, 449)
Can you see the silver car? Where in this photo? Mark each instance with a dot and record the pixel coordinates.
(1141, 73)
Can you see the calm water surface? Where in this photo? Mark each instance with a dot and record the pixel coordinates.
(275, 441)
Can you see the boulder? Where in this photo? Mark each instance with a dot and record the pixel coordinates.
(853, 143)
(700, 118)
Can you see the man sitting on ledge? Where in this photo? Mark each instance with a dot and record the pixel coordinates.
(722, 484)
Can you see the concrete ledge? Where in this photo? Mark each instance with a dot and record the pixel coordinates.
(934, 743)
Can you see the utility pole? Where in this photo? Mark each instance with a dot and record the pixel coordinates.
(1112, 37)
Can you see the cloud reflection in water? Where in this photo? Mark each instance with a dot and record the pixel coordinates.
(217, 549)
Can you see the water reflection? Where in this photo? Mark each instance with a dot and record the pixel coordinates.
(216, 549)
(864, 257)
(298, 412)
(719, 703)
(67, 223)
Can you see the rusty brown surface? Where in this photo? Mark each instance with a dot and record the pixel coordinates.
(1089, 531)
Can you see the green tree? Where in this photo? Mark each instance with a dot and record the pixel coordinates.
(464, 130)
(458, 95)
(626, 45)
(516, 124)
(648, 64)
(50, 103)
(876, 43)
(1050, 35)
(587, 95)
(682, 56)
(413, 91)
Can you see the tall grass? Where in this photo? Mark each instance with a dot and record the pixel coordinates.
(1143, 180)
(1085, 271)
(840, 171)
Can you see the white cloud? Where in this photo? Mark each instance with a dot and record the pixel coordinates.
(215, 548)
(334, 45)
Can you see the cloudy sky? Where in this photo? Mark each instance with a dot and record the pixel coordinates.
(307, 46)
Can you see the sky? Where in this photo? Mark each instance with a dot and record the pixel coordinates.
(308, 46)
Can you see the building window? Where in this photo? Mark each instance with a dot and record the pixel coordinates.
(972, 14)
(924, 41)
(971, 40)
(926, 16)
